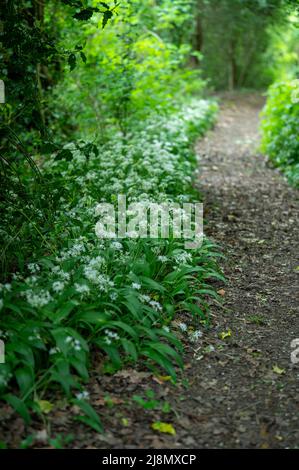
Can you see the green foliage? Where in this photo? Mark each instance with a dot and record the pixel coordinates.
(132, 69)
(280, 128)
(235, 38)
(114, 297)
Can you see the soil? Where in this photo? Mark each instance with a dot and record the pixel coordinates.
(240, 388)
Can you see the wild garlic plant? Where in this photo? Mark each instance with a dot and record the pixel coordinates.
(115, 297)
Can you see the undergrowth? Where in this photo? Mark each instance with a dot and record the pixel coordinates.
(82, 294)
(280, 128)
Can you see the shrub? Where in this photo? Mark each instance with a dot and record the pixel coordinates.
(280, 128)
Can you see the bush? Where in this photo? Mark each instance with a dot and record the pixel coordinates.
(280, 128)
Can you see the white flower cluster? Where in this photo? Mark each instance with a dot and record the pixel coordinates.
(110, 336)
(73, 343)
(38, 299)
(153, 303)
(183, 258)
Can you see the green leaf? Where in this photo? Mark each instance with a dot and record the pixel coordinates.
(85, 14)
(129, 348)
(80, 367)
(96, 318)
(19, 406)
(25, 379)
(83, 57)
(72, 61)
(160, 360)
(148, 282)
(124, 326)
(106, 17)
(90, 416)
(113, 354)
(167, 350)
(64, 154)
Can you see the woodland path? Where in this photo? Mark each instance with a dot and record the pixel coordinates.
(252, 213)
(243, 391)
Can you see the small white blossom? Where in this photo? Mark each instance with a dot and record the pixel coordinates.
(58, 286)
(33, 268)
(38, 300)
(117, 246)
(82, 288)
(136, 286)
(84, 395)
(195, 335)
(183, 326)
(54, 351)
(156, 306)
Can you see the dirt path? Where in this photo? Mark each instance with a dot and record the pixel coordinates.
(243, 389)
(252, 212)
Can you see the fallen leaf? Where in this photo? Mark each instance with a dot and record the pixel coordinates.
(161, 379)
(278, 370)
(165, 428)
(133, 375)
(225, 334)
(221, 292)
(45, 406)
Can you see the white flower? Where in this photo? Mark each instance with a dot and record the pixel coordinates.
(111, 334)
(54, 351)
(183, 326)
(183, 258)
(117, 246)
(82, 288)
(33, 268)
(68, 340)
(113, 296)
(136, 286)
(84, 395)
(156, 306)
(163, 259)
(77, 345)
(58, 286)
(195, 335)
(38, 300)
(144, 298)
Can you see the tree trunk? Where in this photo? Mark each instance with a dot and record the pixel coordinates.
(232, 73)
(198, 34)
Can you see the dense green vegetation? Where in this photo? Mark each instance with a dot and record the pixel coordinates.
(280, 127)
(101, 100)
